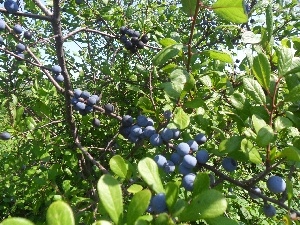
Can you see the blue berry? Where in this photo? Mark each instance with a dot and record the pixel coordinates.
(27, 35)
(169, 166)
(56, 69)
(20, 47)
(142, 121)
(2, 25)
(189, 161)
(183, 149)
(5, 135)
(96, 97)
(149, 131)
(176, 158)
(176, 133)
(96, 122)
(132, 138)
(77, 93)
(18, 29)
(11, 6)
(193, 145)
(166, 134)
(125, 131)
(80, 106)
(109, 108)
(183, 170)
(160, 160)
(200, 138)
(256, 190)
(150, 122)
(91, 101)
(59, 78)
(156, 140)
(188, 181)
(158, 203)
(127, 121)
(136, 130)
(167, 114)
(276, 184)
(229, 164)
(202, 156)
(269, 210)
(74, 101)
(85, 95)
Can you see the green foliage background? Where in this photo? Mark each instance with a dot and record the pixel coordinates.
(248, 110)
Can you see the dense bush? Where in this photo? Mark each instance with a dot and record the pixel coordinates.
(150, 112)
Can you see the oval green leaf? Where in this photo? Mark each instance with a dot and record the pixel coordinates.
(181, 118)
(16, 221)
(231, 10)
(149, 171)
(138, 206)
(60, 213)
(110, 195)
(167, 53)
(118, 166)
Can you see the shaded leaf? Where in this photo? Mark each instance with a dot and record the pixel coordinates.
(265, 136)
(171, 194)
(282, 123)
(189, 7)
(262, 70)
(221, 220)
(201, 183)
(290, 153)
(16, 221)
(145, 104)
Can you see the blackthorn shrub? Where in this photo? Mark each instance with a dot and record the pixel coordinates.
(18, 29)
(160, 160)
(269, 210)
(189, 161)
(256, 190)
(156, 140)
(169, 166)
(158, 203)
(183, 149)
(200, 139)
(56, 69)
(96, 122)
(27, 35)
(11, 6)
(202, 156)
(2, 25)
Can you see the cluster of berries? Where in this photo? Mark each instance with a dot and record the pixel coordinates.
(83, 101)
(132, 39)
(144, 129)
(20, 48)
(56, 70)
(11, 6)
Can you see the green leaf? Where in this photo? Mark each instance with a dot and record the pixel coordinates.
(231, 144)
(178, 207)
(118, 166)
(250, 151)
(102, 222)
(201, 183)
(295, 66)
(231, 10)
(294, 94)
(238, 100)
(269, 21)
(134, 188)
(16, 221)
(171, 194)
(60, 213)
(181, 119)
(189, 85)
(145, 104)
(285, 59)
(110, 194)
(265, 136)
(262, 70)
(167, 42)
(189, 7)
(138, 205)
(209, 204)
(167, 53)
(105, 2)
(221, 220)
(281, 123)
(149, 171)
(163, 218)
(254, 90)
(290, 153)
(258, 123)
(218, 55)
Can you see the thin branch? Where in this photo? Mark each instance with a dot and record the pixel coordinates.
(84, 29)
(43, 7)
(29, 15)
(90, 157)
